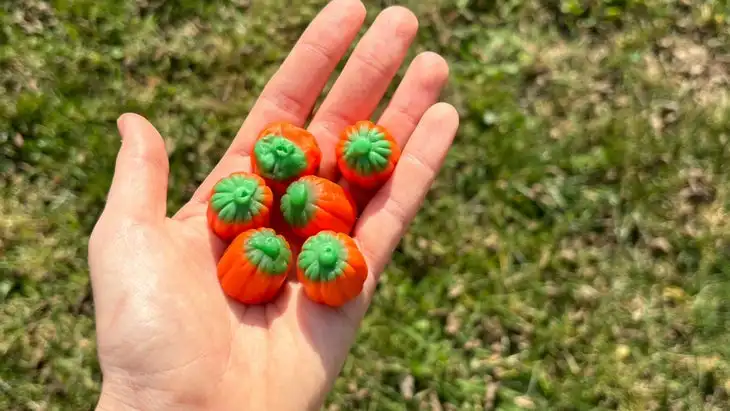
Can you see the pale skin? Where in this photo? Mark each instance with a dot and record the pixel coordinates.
(168, 337)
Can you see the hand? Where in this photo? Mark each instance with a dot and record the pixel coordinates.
(168, 338)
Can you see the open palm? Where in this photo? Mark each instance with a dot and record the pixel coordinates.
(168, 336)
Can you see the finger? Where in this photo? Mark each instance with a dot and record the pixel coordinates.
(385, 219)
(419, 90)
(139, 186)
(294, 88)
(364, 79)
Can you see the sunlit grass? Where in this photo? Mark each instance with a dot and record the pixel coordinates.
(572, 254)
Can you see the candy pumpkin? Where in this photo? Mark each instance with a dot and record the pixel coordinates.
(331, 268)
(313, 204)
(279, 224)
(239, 202)
(255, 266)
(366, 154)
(284, 152)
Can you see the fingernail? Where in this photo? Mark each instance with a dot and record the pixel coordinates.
(123, 123)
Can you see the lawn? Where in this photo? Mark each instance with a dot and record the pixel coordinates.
(574, 253)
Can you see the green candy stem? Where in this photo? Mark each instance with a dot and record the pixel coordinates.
(328, 256)
(297, 205)
(271, 247)
(237, 198)
(242, 195)
(268, 251)
(283, 150)
(367, 151)
(323, 257)
(279, 158)
(298, 196)
(360, 147)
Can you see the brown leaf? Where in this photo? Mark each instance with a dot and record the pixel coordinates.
(453, 324)
(406, 387)
(525, 402)
(434, 402)
(490, 395)
(456, 290)
(660, 244)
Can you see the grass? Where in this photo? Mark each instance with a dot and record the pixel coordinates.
(573, 254)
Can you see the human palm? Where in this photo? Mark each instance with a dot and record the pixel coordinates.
(168, 337)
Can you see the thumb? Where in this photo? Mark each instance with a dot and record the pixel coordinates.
(139, 187)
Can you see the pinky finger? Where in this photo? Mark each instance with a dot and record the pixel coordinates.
(385, 219)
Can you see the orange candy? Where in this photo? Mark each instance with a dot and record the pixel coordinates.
(255, 266)
(331, 268)
(366, 154)
(239, 202)
(313, 204)
(285, 222)
(284, 152)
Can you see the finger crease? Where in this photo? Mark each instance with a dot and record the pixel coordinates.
(420, 164)
(374, 63)
(334, 121)
(369, 255)
(157, 162)
(240, 151)
(317, 49)
(396, 209)
(403, 111)
(431, 82)
(286, 102)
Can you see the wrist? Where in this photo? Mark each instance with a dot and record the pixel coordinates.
(127, 398)
(110, 401)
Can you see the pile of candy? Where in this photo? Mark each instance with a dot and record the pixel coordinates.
(282, 219)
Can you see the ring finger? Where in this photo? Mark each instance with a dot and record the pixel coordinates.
(364, 80)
